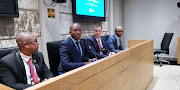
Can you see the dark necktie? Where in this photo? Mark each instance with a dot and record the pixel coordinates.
(120, 46)
(33, 74)
(77, 43)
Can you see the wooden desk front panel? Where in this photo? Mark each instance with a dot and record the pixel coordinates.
(131, 69)
(3, 87)
(178, 52)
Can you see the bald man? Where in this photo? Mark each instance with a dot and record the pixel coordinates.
(114, 41)
(72, 51)
(25, 67)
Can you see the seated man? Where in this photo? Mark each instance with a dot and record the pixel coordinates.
(114, 41)
(97, 45)
(72, 51)
(25, 67)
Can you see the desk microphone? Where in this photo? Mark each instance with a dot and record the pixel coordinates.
(92, 51)
(104, 51)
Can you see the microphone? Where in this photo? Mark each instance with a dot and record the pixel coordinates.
(104, 51)
(120, 47)
(92, 51)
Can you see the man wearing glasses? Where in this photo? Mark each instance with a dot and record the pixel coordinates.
(25, 67)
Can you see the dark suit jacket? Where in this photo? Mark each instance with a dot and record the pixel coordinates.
(91, 41)
(69, 55)
(112, 42)
(12, 70)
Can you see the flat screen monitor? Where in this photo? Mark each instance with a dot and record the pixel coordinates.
(93, 10)
(9, 8)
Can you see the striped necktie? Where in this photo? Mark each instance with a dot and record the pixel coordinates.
(100, 46)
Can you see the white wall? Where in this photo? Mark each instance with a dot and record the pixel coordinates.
(49, 27)
(150, 19)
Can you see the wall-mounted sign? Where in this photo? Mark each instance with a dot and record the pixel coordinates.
(51, 13)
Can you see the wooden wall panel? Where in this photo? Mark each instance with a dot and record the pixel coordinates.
(129, 79)
(132, 43)
(178, 52)
(109, 73)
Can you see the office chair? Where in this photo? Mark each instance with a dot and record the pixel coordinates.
(106, 37)
(164, 47)
(53, 55)
(6, 51)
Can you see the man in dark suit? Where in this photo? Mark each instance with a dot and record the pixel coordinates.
(72, 51)
(114, 41)
(25, 67)
(97, 44)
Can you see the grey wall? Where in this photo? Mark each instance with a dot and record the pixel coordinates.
(118, 15)
(150, 19)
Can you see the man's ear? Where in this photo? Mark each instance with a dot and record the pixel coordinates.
(25, 44)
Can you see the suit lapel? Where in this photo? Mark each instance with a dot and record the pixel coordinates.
(73, 49)
(35, 60)
(82, 47)
(116, 45)
(96, 44)
(102, 40)
(72, 43)
(20, 65)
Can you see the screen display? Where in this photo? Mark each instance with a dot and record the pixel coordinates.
(89, 9)
(9, 8)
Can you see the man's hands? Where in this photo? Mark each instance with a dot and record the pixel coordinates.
(90, 61)
(111, 53)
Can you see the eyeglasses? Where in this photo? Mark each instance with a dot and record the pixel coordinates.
(33, 40)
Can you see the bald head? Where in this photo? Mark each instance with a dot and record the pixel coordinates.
(119, 31)
(75, 31)
(22, 37)
(74, 25)
(118, 28)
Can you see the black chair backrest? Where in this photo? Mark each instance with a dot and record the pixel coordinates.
(166, 41)
(6, 51)
(53, 55)
(106, 37)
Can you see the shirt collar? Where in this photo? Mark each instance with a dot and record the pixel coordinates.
(24, 57)
(74, 41)
(97, 39)
(117, 37)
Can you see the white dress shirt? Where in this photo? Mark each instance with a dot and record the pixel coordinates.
(27, 68)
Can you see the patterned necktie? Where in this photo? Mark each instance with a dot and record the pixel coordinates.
(33, 74)
(100, 46)
(77, 43)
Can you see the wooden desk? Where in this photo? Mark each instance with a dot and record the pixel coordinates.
(131, 69)
(3, 87)
(178, 52)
